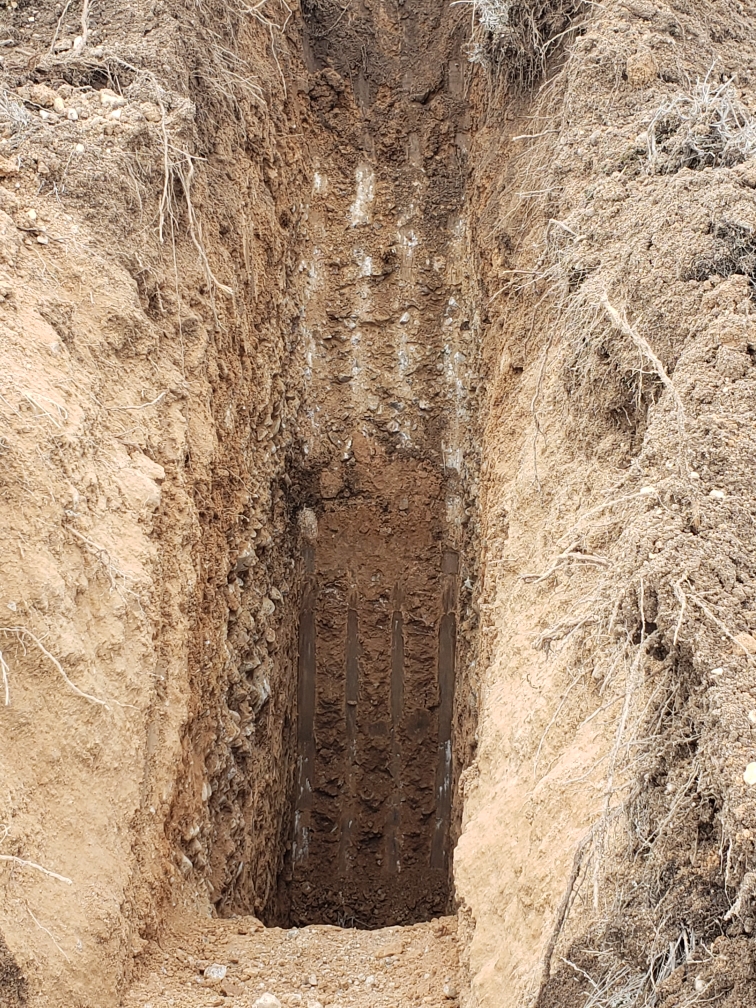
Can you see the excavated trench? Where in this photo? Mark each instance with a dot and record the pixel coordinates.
(389, 349)
(245, 504)
(380, 489)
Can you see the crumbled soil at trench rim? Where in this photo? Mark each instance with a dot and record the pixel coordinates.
(316, 965)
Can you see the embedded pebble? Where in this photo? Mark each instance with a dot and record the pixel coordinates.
(267, 1000)
(151, 112)
(110, 99)
(42, 94)
(214, 972)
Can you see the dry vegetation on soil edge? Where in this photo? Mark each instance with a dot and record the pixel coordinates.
(608, 798)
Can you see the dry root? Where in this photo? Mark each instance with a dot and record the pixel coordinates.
(37, 867)
(518, 37)
(22, 635)
(621, 323)
(707, 127)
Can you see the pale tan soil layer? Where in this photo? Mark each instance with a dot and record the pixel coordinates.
(320, 964)
(376, 436)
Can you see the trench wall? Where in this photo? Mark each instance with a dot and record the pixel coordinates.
(295, 335)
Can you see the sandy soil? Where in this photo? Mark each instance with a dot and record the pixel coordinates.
(316, 965)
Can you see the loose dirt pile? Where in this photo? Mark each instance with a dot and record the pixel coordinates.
(316, 965)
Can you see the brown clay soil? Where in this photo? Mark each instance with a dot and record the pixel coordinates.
(377, 505)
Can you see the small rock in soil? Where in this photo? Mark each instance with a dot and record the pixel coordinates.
(232, 988)
(267, 1001)
(214, 972)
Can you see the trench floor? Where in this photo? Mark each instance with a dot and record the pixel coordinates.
(320, 966)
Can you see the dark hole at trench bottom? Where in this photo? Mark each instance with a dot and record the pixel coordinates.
(372, 818)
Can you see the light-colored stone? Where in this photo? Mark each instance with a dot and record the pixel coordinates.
(139, 490)
(151, 112)
(641, 68)
(746, 643)
(42, 94)
(10, 240)
(267, 1000)
(110, 100)
(214, 972)
(232, 987)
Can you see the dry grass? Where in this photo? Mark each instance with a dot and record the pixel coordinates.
(617, 661)
(620, 322)
(622, 986)
(275, 24)
(707, 127)
(14, 116)
(176, 211)
(618, 669)
(518, 37)
(611, 370)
